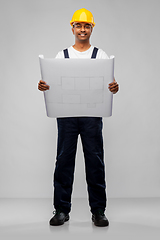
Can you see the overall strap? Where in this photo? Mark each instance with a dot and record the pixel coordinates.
(66, 54)
(94, 53)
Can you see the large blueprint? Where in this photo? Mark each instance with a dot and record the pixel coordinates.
(78, 87)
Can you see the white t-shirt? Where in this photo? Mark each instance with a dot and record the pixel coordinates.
(86, 54)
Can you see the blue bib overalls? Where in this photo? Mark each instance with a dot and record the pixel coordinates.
(90, 130)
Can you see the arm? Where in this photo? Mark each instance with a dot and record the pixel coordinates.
(113, 87)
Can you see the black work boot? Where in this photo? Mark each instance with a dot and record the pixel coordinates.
(59, 218)
(100, 219)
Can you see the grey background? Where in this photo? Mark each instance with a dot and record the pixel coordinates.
(124, 28)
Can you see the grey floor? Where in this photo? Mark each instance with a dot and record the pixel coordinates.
(129, 219)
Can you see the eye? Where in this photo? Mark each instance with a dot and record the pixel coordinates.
(78, 26)
(87, 26)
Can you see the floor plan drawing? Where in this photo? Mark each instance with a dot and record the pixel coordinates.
(71, 90)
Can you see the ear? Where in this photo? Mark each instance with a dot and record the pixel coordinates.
(73, 30)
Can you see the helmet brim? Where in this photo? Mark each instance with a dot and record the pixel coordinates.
(71, 23)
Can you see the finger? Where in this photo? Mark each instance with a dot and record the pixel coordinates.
(46, 86)
(114, 91)
(114, 82)
(113, 86)
(43, 82)
(43, 87)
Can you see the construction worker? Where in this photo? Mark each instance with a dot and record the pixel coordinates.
(90, 130)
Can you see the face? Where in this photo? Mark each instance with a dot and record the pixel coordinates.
(82, 31)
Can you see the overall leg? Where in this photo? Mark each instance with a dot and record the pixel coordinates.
(64, 169)
(92, 141)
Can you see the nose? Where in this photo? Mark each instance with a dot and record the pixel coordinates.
(82, 28)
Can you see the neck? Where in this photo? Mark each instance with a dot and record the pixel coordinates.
(81, 47)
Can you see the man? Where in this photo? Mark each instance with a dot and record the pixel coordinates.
(90, 130)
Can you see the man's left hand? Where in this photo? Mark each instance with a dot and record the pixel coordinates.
(113, 87)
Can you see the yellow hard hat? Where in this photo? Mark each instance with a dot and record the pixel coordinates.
(82, 15)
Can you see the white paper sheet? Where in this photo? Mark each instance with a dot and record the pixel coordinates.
(78, 87)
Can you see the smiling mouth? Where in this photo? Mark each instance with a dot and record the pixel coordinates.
(82, 35)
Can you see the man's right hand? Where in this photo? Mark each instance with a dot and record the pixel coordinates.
(42, 86)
